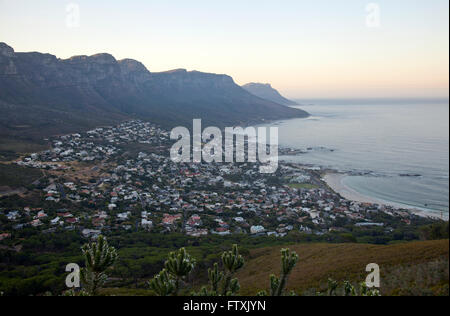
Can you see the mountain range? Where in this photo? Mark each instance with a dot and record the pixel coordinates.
(265, 91)
(42, 95)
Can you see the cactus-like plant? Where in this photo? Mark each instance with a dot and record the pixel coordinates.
(99, 256)
(349, 289)
(366, 291)
(204, 292)
(162, 284)
(235, 287)
(288, 262)
(274, 284)
(332, 287)
(179, 265)
(215, 277)
(222, 283)
(232, 261)
(73, 293)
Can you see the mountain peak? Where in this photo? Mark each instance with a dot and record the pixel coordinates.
(103, 58)
(265, 91)
(131, 66)
(6, 50)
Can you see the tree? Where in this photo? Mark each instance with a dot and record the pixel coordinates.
(99, 257)
(435, 231)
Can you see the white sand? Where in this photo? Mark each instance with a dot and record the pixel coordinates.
(334, 180)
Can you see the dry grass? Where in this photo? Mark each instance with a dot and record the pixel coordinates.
(423, 279)
(79, 171)
(318, 262)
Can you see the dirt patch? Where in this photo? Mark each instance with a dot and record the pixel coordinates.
(83, 172)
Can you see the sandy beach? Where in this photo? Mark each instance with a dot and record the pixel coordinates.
(334, 180)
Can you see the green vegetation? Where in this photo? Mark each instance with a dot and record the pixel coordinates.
(222, 283)
(33, 262)
(302, 186)
(435, 231)
(177, 268)
(15, 176)
(278, 285)
(11, 147)
(99, 257)
(180, 264)
(348, 289)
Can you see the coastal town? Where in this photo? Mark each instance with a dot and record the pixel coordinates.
(122, 179)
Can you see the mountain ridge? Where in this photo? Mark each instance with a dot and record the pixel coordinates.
(267, 92)
(44, 95)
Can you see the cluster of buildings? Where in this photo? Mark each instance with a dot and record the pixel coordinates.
(96, 145)
(146, 191)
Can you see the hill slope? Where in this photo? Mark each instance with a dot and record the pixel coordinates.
(417, 262)
(265, 91)
(43, 95)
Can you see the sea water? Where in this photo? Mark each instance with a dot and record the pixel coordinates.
(394, 150)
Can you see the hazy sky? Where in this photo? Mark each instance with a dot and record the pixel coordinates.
(306, 49)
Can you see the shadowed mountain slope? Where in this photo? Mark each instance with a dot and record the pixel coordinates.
(41, 95)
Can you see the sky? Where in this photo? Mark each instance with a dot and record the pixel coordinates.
(305, 49)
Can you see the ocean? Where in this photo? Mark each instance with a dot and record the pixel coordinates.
(395, 151)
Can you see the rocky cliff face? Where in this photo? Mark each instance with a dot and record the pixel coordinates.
(265, 91)
(101, 89)
(7, 56)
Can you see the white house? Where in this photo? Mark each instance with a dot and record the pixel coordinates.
(257, 229)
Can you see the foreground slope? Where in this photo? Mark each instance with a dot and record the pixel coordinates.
(43, 95)
(414, 268)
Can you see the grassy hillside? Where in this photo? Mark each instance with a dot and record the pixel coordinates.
(15, 176)
(417, 268)
(11, 147)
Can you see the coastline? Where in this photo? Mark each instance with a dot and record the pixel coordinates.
(335, 181)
